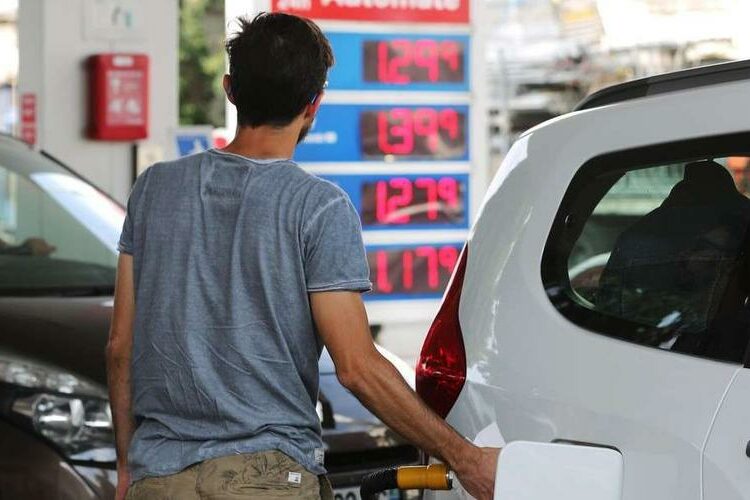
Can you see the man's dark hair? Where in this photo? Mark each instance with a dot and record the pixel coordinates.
(277, 65)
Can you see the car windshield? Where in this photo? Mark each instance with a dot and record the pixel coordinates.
(58, 234)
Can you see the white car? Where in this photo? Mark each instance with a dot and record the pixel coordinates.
(641, 196)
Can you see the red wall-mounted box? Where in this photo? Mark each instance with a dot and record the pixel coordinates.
(118, 97)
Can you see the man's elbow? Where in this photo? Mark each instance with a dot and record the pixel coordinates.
(116, 350)
(358, 372)
(350, 377)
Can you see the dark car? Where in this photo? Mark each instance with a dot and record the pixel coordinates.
(58, 238)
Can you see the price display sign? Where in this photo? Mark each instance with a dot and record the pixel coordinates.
(423, 133)
(411, 271)
(354, 133)
(412, 11)
(407, 202)
(400, 62)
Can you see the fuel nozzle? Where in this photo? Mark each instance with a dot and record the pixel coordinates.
(419, 477)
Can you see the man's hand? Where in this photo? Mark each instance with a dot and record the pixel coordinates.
(477, 475)
(38, 247)
(123, 481)
(342, 324)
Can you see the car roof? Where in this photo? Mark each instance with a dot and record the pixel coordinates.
(15, 144)
(12, 141)
(669, 82)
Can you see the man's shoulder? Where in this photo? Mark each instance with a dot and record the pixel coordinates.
(325, 189)
(164, 171)
(178, 164)
(315, 188)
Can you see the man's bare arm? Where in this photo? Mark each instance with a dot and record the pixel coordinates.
(342, 323)
(119, 350)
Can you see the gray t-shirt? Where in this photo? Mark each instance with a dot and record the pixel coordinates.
(225, 352)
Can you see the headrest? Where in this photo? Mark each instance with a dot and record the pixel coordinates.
(710, 173)
(704, 182)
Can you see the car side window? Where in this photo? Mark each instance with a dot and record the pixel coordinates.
(656, 254)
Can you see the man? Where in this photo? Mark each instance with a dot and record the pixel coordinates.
(236, 266)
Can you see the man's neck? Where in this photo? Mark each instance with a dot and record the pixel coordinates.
(264, 142)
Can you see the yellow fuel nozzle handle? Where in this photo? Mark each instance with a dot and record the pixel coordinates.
(419, 477)
(429, 477)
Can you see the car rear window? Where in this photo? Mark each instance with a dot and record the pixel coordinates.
(650, 246)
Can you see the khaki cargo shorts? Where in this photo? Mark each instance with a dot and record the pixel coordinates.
(267, 474)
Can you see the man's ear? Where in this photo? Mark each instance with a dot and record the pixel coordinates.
(313, 107)
(227, 82)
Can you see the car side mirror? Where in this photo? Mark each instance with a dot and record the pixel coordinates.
(551, 471)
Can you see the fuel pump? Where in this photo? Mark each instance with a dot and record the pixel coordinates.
(526, 471)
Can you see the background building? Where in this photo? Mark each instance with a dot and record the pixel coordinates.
(8, 63)
(545, 55)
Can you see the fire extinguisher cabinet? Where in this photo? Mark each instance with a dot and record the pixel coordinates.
(118, 97)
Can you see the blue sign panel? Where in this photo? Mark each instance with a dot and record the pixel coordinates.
(367, 61)
(407, 202)
(354, 133)
(191, 142)
(420, 271)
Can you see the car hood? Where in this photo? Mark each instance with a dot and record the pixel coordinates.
(69, 333)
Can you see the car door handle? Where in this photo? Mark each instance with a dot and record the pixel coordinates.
(747, 449)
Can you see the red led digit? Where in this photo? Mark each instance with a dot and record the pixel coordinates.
(398, 201)
(431, 188)
(449, 53)
(403, 58)
(448, 119)
(426, 56)
(383, 124)
(447, 257)
(433, 270)
(407, 263)
(403, 130)
(426, 123)
(447, 188)
(381, 202)
(383, 49)
(382, 280)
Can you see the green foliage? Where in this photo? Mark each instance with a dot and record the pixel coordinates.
(201, 62)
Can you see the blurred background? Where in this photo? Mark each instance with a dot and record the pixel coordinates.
(542, 56)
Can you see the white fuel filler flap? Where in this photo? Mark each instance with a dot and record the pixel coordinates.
(550, 471)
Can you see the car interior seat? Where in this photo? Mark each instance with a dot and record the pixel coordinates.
(683, 266)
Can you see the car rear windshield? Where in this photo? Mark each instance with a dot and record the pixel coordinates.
(58, 234)
(650, 246)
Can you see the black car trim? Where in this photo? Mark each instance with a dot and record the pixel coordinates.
(670, 82)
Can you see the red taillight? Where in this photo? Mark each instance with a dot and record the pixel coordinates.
(441, 370)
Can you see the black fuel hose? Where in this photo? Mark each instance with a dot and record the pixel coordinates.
(377, 482)
(424, 477)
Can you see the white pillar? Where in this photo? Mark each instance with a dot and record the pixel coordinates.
(56, 37)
